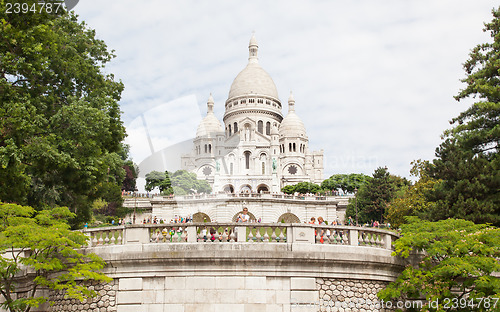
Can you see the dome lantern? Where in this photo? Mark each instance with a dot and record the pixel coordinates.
(253, 49)
(291, 103)
(210, 104)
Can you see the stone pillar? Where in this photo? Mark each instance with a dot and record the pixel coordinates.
(387, 241)
(136, 235)
(241, 234)
(302, 234)
(353, 237)
(192, 236)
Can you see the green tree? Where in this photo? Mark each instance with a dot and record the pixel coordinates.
(189, 183)
(43, 244)
(157, 179)
(60, 126)
(374, 196)
(468, 161)
(459, 259)
(348, 183)
(131, 169)
(302, 188)
(288, 189)
(413, 201)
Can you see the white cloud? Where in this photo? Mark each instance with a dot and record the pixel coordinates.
(373, 80)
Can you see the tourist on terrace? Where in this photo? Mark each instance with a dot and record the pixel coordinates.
(243, 217)
(321, 221)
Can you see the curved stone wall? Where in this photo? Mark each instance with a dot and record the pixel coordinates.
(245, 276)
(300, 271)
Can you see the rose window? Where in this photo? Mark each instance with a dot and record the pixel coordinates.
(207, 171)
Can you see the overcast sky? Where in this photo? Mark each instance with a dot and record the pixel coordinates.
(373, 80)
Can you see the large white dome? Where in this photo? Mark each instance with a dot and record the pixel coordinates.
(253, 79)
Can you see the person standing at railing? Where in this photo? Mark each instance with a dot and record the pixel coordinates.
(321, 221)
(243, 217)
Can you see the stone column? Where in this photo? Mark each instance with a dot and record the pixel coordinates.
(353, 237)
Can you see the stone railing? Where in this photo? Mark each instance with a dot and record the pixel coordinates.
(241, 233)
(251, 195)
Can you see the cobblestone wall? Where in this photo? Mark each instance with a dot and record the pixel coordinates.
(339, 295)
(105, 301)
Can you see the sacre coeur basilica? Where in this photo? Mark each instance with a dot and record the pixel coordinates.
(258, 150)
(251, 158)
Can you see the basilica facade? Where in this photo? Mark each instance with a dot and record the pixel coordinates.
(257, 149)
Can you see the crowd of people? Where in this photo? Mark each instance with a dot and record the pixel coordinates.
(155, 220)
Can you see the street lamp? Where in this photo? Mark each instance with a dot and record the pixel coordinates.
(356, 204)
(135, 206)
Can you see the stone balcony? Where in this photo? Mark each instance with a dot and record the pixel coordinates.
(247, 233)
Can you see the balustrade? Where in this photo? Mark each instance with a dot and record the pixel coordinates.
(241, 233)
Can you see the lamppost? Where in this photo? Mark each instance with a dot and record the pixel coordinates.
(135, 206)
(356, 204)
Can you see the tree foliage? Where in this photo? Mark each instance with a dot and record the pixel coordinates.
(348, 183)
(413, 200)
(302, 188)
(468, 161)
(189, 182)
(374, 196)
(157, 179)
(458, 261)
(60, 126)
(131, 169)
(181, 182)
(42, 244)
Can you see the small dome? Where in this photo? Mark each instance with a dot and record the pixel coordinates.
(292, 125)
(210, 124)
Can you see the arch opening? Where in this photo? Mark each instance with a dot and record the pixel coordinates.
(288, 217)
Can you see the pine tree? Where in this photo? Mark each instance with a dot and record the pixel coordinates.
(468, 161)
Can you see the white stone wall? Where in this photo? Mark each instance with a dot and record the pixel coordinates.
(267, 209)
(204, 293)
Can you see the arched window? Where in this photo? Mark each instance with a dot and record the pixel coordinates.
(289, 147)
(210, 148)
(205, 148)
(235, 127)
(294, 147)
(263, 168)
(268, 128)
(260, 126)
(247, 160)
(229, 127)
